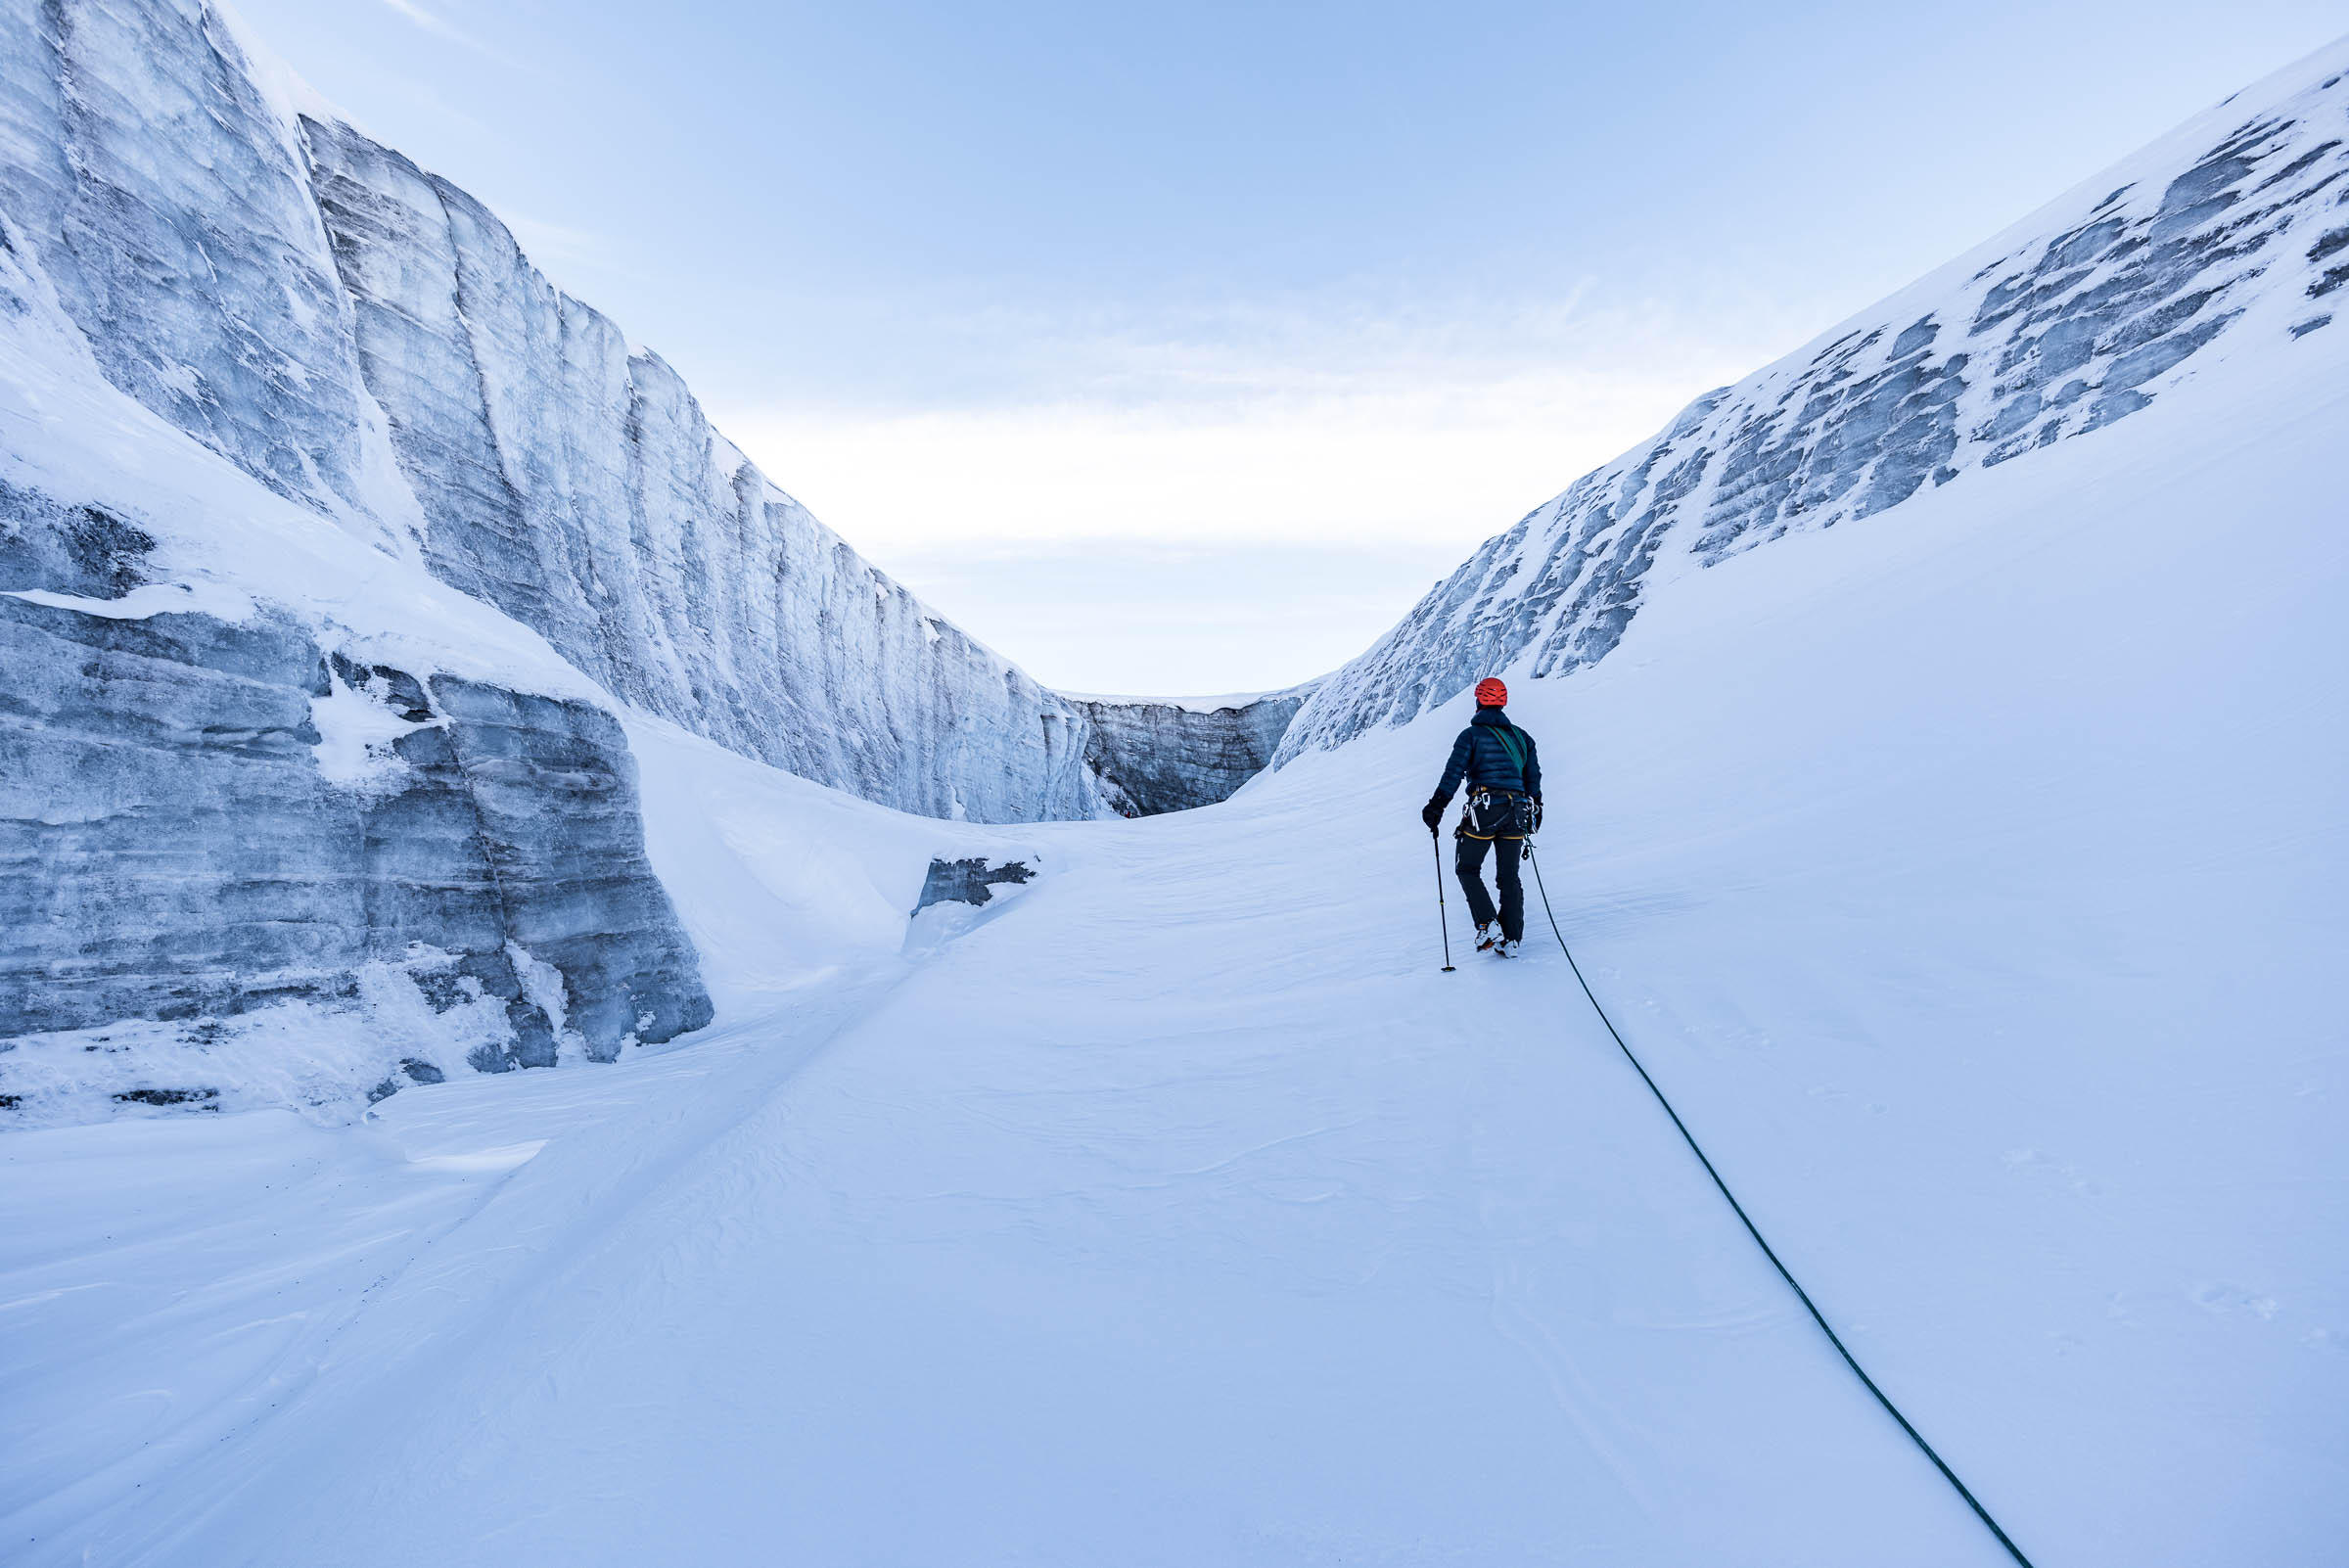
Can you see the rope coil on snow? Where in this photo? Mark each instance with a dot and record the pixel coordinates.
(1802, 1294)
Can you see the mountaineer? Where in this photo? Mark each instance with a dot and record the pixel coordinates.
(1498, 762)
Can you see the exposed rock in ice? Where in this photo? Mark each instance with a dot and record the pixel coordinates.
(2076, 317)
(970, 881)
(958, 895)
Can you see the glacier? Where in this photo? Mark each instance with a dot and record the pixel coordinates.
(1971, 886)
(572, 482)
(1142, 1191)
(337, 545)
(200, 256)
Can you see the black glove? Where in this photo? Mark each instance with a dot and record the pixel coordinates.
(1433, 812)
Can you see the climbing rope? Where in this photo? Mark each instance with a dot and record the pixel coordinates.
(1793, 1284)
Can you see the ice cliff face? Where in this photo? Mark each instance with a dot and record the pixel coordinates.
(218, 827)
(294, 809)
(2235, 226)
(574, 483)
(1150, 756)
(368, 341)
(331, 536)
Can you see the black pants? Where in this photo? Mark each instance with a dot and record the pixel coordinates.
(1506, 868)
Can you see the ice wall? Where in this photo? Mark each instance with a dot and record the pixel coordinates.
(2234, 227)
(1151, 755)
(367, 340)
(306, 877)
(331, 542)
(573, 481)
(153, 183)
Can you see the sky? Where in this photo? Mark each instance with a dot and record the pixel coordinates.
(1180, 349)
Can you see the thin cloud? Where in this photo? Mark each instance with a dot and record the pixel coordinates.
(544, 242)
(1253, 426)
(436, 25)
(1411, 458)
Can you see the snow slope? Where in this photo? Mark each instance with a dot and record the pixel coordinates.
(1972, 885)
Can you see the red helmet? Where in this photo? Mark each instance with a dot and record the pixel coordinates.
(1490, 693)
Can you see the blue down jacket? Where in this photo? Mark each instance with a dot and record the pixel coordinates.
(1480, 757)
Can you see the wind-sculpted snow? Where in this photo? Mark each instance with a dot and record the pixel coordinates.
(368, 340)
(2080, 317)
(1151, 756)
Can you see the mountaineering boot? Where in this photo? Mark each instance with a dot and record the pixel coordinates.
(1486, 937)
(1506, 947)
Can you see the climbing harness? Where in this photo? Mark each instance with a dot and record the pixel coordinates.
(1802, 1294)
(1497, 813)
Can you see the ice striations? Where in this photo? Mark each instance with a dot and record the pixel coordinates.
(1151, 754)
(2235, 225)
(243, 870)
(334, 541)
(367, 340)
(153, 185)
(576, 485)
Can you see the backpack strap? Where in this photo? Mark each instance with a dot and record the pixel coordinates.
(1506, 735)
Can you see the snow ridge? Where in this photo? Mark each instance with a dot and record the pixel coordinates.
(2230, 228)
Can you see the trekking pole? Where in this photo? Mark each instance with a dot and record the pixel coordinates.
(1443, 918)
